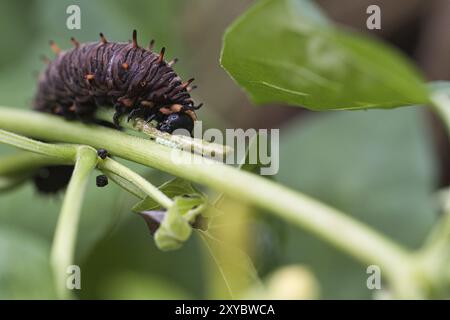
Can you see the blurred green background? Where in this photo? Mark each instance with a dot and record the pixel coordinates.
(382, 167)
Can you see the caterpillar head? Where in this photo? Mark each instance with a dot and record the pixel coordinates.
(178, 120)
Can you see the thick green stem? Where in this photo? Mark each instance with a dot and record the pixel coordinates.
(63, 249)
(335, 227)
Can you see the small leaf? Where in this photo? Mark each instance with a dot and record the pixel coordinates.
(284, 51)
(172, 188)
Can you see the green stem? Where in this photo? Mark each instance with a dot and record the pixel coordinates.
(24, 162)
(120, 170)
(337, 228)
(64, 241)
(58, 151)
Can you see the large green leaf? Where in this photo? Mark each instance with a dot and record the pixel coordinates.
(284, 51)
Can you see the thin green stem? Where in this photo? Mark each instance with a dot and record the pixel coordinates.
(23, 162)
(58, 151)
(132, 177)
(64, 241)
(332, 225)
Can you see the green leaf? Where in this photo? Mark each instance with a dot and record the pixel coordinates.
(172, 188)
(283, 51)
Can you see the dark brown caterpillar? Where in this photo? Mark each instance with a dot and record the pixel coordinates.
(137, 82)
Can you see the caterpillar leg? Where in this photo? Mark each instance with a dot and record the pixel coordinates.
(120, 111)
(157, 116)
(135, 113)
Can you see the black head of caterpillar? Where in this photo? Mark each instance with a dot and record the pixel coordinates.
(136, 81)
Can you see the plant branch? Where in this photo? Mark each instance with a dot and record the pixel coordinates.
(337, 228)
(23, 162)
(57, 151)
(64, 241)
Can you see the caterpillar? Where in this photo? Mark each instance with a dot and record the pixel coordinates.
(136, 81)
